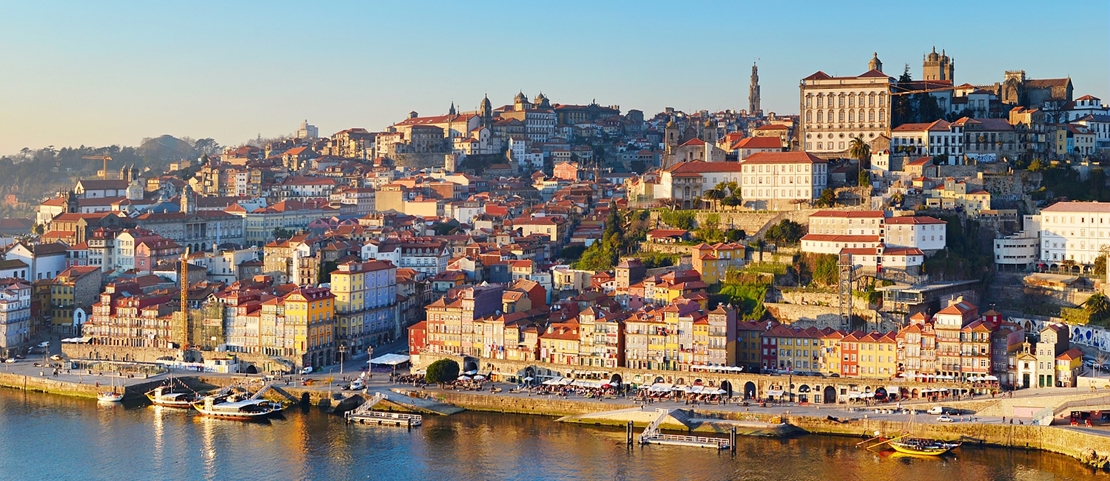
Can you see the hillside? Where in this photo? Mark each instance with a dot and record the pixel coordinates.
(34, 175)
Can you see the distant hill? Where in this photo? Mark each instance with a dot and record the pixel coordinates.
(165, 149)
(34, 175)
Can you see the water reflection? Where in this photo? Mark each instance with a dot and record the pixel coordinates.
(124, 441)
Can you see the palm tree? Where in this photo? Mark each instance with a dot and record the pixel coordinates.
(713, 195)
(1097, 306)
(860, 151)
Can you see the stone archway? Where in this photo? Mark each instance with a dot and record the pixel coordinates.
(616, 379)
(749, 390)
(804, 393)
(829, 396)
(658, 379)
(727, 388)
(880, 393)
(470, 364)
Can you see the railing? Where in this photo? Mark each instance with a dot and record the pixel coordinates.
(652, 429)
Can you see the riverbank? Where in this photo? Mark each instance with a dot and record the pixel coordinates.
(1091, 449)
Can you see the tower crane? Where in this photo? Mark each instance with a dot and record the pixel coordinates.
(106, 158)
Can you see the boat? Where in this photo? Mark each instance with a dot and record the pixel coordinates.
(245, 410)
(182, 400)
(922, 447)
(113, 396)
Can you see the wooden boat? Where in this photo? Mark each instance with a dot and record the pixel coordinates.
(245, 410)
(160, 397)
(922, 447)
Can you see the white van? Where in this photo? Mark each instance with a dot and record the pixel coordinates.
(937, 410)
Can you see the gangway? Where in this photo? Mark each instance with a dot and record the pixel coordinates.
(651, 435)
(365, 414)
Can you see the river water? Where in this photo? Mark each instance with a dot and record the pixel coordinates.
(59, 438)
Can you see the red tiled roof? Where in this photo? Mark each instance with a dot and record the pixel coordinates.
(783, 158)
(914, 219)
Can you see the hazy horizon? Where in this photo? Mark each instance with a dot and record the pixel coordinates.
(103, 74)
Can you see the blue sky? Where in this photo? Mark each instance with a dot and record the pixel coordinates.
(99, 73)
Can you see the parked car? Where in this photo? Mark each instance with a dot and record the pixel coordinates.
(55, 357)
(356, 385)
(944, 418)
(44, 344)
(10, 360)
(306, 370)
(937, 410)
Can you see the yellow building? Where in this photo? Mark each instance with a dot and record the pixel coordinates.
(713, 261)
(829, 356)
(878, 357)
(310, 323)
(559, 345)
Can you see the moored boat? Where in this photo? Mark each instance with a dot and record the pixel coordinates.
(922, 447)
(160, 397)
(113, 396)
(109, 396)
(245, 410)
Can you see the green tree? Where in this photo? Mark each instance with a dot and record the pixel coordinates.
(1100, 263)
(827, 199)
(441, 371)
(864, 178)
(785, 232)
(825, 270)
(282, 233)
(1097, 307)
(679, 219)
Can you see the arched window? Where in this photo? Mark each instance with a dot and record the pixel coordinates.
(841, 115)
(820, 117)
(851, 116)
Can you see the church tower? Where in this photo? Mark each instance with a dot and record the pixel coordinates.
(486, 111)
(188, 203)
(938, 67)
(753, 94)
(709, 132)
(875, 63)
(670, 142)
(451, 112)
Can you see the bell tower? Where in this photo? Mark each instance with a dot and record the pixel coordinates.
(875, 63)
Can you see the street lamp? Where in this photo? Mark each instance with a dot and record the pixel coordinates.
(369, 358)
(342, 351)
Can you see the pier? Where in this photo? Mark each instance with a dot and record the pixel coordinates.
(651, 435)
(365, 414)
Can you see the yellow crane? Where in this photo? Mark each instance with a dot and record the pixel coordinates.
(106, 158)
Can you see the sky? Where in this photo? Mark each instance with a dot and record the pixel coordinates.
(110, 72)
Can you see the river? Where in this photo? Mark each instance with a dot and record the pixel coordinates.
(61, 438)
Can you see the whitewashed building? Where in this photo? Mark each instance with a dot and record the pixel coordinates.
(782, 180)
(1074, 231)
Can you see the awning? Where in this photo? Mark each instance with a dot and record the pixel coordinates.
(553, 381)
(775, 392)
(661, 387)
(390, 359)
(77, 340)
(990, 378)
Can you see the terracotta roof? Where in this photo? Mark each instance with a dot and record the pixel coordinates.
(783, 158)
(915, 219)
(849, 214)
(1074, 206)
(840, 238)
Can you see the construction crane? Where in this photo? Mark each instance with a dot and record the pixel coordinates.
(105, 158)
(183, 338)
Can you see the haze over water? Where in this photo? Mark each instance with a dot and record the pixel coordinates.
(51, 437)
